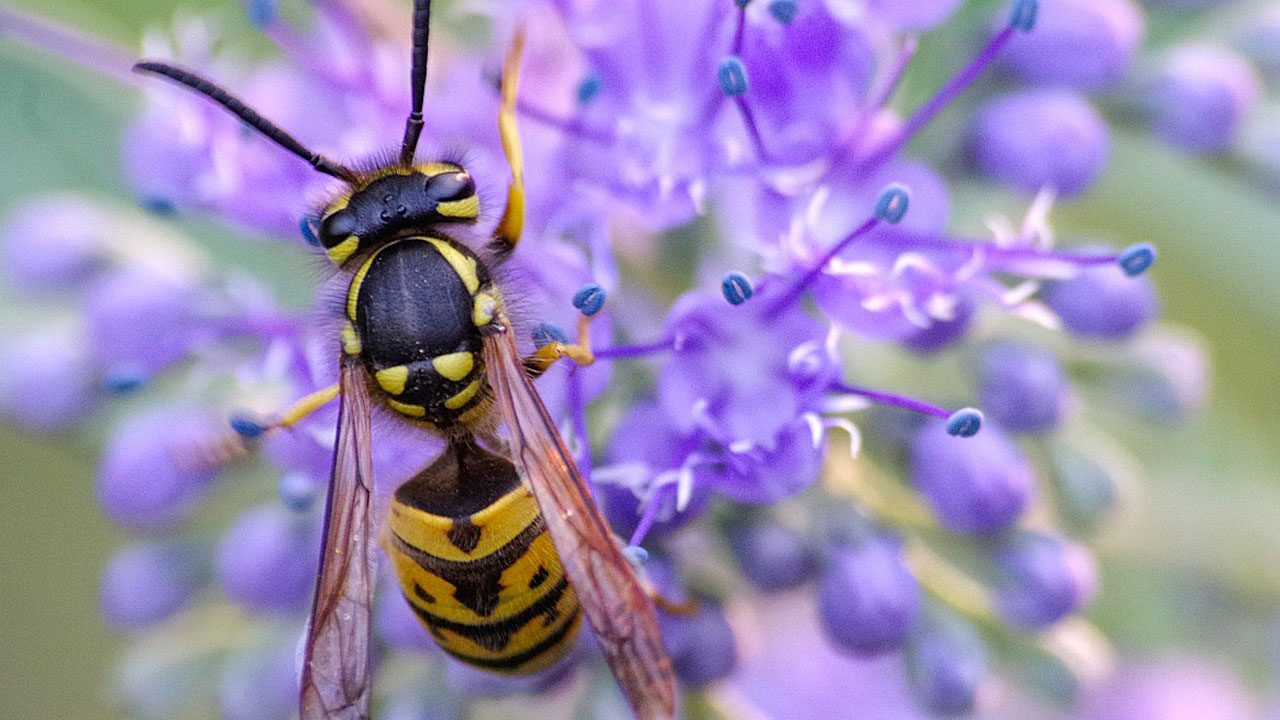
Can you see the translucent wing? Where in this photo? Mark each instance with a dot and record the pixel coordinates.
(612, 598)
(336, 669)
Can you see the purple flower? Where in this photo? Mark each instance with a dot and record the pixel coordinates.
(946, 662)
(152, 471)
(146, 582)
(53, 243)
(1042, 579)
(139, 322)
(1035, 139)
(1200, 97)
(771, 556)
(1102, 302)
(1022, 387)
(1084, 44)
(975, 485)
(701, 645)
(267, 559)
(260, 683)
(47, 383)
(867, 598)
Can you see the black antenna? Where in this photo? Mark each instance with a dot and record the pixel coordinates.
(236, 107)
(418, 81)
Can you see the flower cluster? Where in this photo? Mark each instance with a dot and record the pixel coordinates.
(735, 178)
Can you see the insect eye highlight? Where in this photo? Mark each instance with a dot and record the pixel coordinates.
(450, 186)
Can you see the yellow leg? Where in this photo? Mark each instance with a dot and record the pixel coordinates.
(579, 352)
(507, 234)
(672, 607)
(306, 406)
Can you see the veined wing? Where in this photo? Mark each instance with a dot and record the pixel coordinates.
(337, 666)
(612, 598)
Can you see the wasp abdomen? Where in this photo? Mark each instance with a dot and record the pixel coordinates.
(476, 564)
(412, 306)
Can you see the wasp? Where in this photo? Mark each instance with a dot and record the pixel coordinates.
(498, 545)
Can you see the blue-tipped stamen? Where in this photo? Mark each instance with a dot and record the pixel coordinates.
(1135, 259)
(589, 88)
(124, 378)
(1023, 16)
(892, 204)
(246, 426)
(732, 76)
(636, 554)
(589, 299)
(737, 288)
(260, 12)
(784, 11)
(546, 333)
(965, 422)
(158, 205)
(308, 232)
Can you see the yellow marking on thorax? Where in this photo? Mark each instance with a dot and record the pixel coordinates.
(351, 344)
(353, 292)
(339, 203)
(463, 397)
(477, 413)
(468, 208)
(454, 366)
(464, 266)
(392, 379)
(406, 409)
(340, 253)
(499, 523)
(483, 309)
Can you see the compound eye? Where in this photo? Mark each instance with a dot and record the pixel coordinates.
(450, 186)
(337, 227)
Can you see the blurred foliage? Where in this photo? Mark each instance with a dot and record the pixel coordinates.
(1194, 566)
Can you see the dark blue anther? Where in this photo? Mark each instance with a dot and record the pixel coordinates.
(158, 205)
(547, 332)
(590, 87)
(892, 204)
(124, 378)
(260, 12)
(308, 232)
(1135, 259)
(784, 11)
(246, 426)
(965, 422)
(589, 299)
(732, 76)
(737, 288)
(1023, 16)
(636, 554)
(741, 3)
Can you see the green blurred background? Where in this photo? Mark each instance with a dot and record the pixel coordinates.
(1198, 567)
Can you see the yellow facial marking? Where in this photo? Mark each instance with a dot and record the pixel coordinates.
(485, 307)
(435, 168)
(406, 409)
(392, 379)
(463, 265)
(338, 204)
(463, 397)
(468, 208)
(454, 366)
(351, 344)
(339, 253)
(353, 293)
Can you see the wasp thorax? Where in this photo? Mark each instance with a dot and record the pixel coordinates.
(403, 202)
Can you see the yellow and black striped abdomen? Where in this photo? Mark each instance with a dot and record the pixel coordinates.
(476, 564)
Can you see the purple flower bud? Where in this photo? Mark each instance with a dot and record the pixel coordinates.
(1165, 375)
(1200, 97)
(136, 318)
(1024, 388)
(1042, 579)
(267, 559)
(772, 556)
(1083, 487)
(1260, 42)
(979, 484)
(152, 470)
(1035, 139)
(867, 598)
(1084, 44)
(1102, 302)
(701, 645)
(46, 384)
(260, 684)
(147, 582)
(946, 662)
(53, 243)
